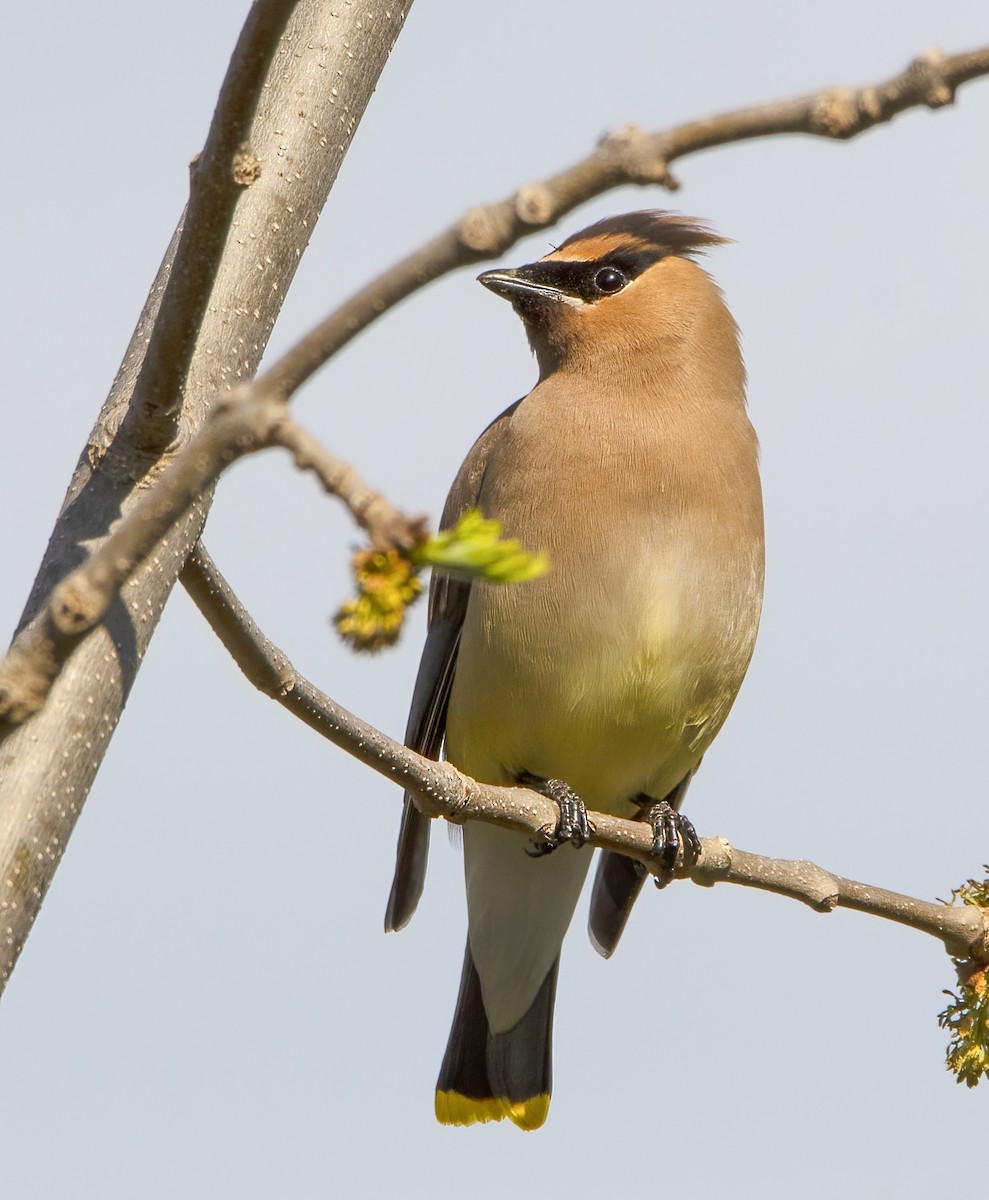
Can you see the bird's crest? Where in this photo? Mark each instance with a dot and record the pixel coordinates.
(651, 230)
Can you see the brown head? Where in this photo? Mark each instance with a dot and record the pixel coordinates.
(626, 296)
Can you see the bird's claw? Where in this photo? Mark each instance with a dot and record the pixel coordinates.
(572, 826)
(675, 843)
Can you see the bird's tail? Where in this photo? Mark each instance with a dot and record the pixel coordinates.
(489, 1076)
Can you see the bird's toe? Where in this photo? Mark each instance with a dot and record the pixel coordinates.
(572, 825)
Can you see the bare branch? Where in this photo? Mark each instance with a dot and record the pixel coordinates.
(246, 420)
(385, 526)
(444, 791)
(964, 929)
(270, 670)
(218, 177)
(630, 156)
(300, 131)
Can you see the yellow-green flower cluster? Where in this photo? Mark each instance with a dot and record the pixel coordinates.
(967, 1016)
(388, 581)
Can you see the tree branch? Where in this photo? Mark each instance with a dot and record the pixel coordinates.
(630, 156)
(444, 791)
(298, 135)
(385, 526)
(245, 421)
(218, 177)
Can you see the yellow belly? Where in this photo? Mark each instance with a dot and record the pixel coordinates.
(618, 691)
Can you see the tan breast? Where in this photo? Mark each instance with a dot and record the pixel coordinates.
(616, 670)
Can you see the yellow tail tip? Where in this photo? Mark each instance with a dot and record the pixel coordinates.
(452, 1108)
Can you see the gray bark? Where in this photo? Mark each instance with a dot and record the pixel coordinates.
(310, 95)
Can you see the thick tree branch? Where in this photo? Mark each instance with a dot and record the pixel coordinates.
(298, 134)
(631, 156)
(218, 176)
(444, 791)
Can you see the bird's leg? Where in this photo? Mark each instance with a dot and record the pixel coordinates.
(672, 833)
(572, 826)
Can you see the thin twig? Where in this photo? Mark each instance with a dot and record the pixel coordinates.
(385, 526)
(630, 156)
(444, 791)
(248, 419)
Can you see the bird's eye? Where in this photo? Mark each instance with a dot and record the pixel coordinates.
(609, 280)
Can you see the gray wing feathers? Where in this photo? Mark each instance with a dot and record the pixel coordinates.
(448, 600)
(427, 723)
(617, 884)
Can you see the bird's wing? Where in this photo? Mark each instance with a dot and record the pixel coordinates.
(617, 884)
(424, 733)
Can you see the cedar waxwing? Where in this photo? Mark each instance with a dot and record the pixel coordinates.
(633, 463)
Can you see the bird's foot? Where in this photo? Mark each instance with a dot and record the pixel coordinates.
(674, 841)
(572, 826)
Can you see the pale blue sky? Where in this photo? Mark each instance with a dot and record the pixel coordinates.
(207, 1005)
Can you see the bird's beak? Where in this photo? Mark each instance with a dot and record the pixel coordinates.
(518, 284)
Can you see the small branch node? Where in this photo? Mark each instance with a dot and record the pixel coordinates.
(391, 530)
(870, 103)
(928, 71)
(449, 797)
(534, 205)
(487, 230)
(277, 682)
(715, 861)
(76, 605)
(836, 113)
(978, 948)
(636, 154)
(818, 888)
(616, 141)
(246, 166)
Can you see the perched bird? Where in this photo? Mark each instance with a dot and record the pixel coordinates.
(633, 463)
